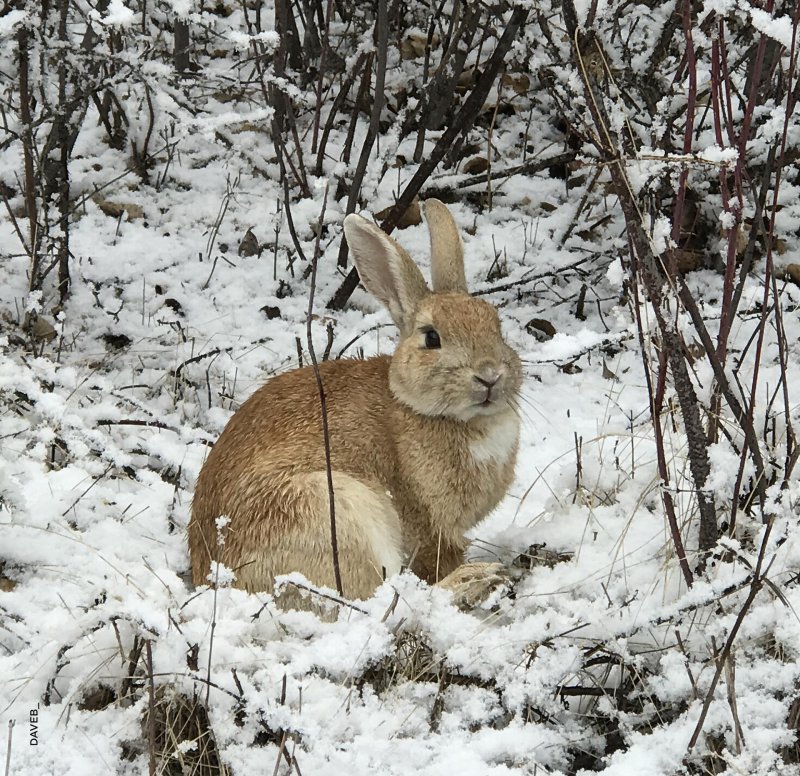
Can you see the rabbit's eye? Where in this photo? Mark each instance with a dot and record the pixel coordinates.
(432, 341)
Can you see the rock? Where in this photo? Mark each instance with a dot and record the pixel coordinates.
(116, 341)
(607, 373)
(42, 330)
(793, 273)
(117, 209)
(541, 329)
(476, 165)
(249, 245)
(411, 217)
(414, 45)
(174, 305)
(519, 82)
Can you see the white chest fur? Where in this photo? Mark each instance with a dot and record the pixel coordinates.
(499, 441)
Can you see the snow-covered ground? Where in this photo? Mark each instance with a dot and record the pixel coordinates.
(599, 662)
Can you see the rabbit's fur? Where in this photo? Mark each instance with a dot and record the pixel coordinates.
(422, 447)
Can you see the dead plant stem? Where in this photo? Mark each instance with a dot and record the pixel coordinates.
(378, 101)
(656, 405)
(325, 44)
(337, 575)
(755, 585)
(23, 42)
(151, 708)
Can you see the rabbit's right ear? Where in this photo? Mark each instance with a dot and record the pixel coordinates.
(447, 251)
(386, 270)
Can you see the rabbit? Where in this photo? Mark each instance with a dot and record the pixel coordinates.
(423, 443)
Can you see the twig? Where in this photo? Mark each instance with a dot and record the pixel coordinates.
(96, 189)
(283, 156)
(194, 359)
(730, 684)
(11, 723)
(560, 361)
(23, 42)
(230, 191)
(213, 626)
(567, 691)
(426, 65)
(338, 101)
(281, 753)
(578, 465)
(355, 339)
(93, 483)
(529, 168)
(528, 278)
(15, 223)
(151, 701)
(315, 591)
(489, 154)
(337, 575)
(135, 422)
(755, 585)
(382, 29)
(326, 354)
(581, 205)
(656, 404)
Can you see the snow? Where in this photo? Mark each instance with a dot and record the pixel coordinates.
(118, 14)
(721, 156)
(778, 28)
(244, 41)
(11, 19)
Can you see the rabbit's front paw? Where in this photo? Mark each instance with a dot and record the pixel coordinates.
(474, 582)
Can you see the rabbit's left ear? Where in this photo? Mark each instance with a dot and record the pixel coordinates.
(386, 270)
(447, 252)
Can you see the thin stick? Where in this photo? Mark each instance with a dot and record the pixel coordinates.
(531, 278)
(151, 717)
(531, 167)
(281, 752)
(489, 138)
(23, 40)
(322, 57)
(15, 223)
(382, 29)
(320, 594)
(134, 422)
(94, 482)
(213, 626)
(11, 723)
(730, 682)
(337, 575)
(755, 586)
(656, 403)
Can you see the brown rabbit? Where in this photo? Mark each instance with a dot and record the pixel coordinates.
(423, 443)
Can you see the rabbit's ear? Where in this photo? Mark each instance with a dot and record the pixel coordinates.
(386, 270)
(447, 253)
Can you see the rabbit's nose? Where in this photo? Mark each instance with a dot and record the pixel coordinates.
(485, 381)
(488, 379)
(487, 375)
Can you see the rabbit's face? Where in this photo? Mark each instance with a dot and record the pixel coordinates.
(454, 361)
